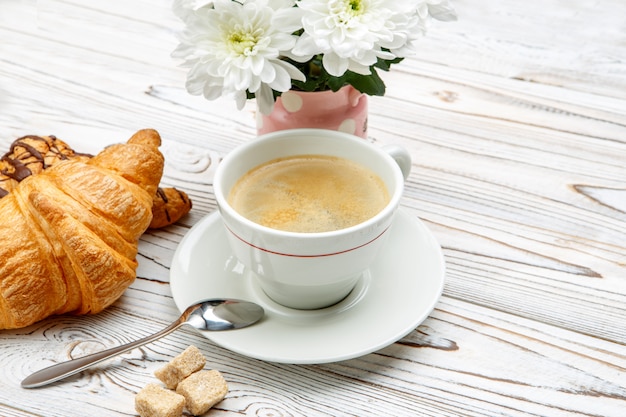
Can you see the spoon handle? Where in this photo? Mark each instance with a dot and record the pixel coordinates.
(64, 369)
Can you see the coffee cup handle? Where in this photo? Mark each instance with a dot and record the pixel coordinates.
(401, 156)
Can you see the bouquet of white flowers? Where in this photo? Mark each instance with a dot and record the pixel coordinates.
(262, 48)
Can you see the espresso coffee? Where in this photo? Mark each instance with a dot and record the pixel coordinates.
(309, 193)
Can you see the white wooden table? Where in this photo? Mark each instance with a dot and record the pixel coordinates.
(516, 120)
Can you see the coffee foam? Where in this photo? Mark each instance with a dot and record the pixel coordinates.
(309, 193)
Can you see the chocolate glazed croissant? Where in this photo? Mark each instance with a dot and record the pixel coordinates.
(69, 235)
(31, 154)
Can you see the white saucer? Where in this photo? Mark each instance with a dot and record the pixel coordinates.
(394, 296)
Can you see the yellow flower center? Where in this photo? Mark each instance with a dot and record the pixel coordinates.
(242, 43)
(355, 5)
(346, 11)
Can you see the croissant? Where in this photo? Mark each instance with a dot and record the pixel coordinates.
(31, 154)
(69, 235)
(168, 206)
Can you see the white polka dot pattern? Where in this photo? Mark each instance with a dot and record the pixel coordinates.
(344, 110)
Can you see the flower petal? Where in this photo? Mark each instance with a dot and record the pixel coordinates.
(281, 80)
(265, 99)
(293, 72)
(334, 64)
(442, 11)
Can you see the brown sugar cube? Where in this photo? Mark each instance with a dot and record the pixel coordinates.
(202, 390)
(179, 368)
(155, 401)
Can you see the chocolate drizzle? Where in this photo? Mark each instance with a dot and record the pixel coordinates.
(163, 196)
(17, 163)
(21, 169)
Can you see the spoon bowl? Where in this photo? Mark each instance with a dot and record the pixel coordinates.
(207, 315)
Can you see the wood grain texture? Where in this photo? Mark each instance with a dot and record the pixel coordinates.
(515, 117)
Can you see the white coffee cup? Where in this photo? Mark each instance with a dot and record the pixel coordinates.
(309, 270)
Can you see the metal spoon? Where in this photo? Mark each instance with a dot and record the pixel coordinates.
(212, 315)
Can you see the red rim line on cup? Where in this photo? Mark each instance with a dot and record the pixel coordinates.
(304, 256)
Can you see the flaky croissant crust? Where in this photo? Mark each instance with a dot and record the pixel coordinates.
(69, 235)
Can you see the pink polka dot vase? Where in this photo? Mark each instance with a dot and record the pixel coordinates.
(344, 110)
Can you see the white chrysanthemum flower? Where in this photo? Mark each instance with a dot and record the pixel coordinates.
(233, 47)
(353, 34)
(424, 12)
